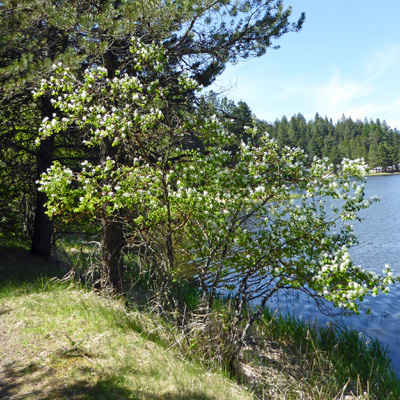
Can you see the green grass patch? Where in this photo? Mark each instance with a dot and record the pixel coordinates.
(69, 343)
(60, 340)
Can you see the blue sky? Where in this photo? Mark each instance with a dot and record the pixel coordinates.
(345, 60)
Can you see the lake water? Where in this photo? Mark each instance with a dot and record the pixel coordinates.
(379, 237)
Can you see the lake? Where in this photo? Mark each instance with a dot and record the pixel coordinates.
(379, 237)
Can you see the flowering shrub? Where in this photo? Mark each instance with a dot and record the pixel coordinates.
(227, 217)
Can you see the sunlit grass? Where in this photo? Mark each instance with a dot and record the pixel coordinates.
(83, 345)
(67, 342)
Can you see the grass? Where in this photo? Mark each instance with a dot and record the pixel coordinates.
(59, 340)
(67, 343)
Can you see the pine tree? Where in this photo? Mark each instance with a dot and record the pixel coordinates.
(199, 37)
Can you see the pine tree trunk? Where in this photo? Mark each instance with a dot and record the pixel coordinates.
(112, 244)
(113, 238)
(43, 227)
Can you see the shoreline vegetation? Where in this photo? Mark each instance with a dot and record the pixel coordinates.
(62, 340)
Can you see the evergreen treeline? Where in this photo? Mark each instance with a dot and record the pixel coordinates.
(375, 142)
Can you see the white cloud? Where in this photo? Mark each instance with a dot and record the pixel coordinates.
(369, 87)
(340, 91)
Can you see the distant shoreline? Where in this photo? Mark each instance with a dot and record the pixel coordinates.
(383, 173)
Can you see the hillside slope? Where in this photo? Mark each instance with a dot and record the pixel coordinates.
(66, 343)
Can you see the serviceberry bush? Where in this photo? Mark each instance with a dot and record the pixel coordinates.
(229, 218)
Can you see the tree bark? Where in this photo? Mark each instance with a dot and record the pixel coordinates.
(113, 237)
(112, 243)
(43, 227)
